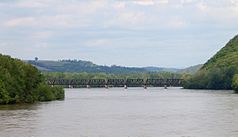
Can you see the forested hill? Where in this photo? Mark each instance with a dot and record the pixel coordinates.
(226, 57)
(86, 66)
(217, 72)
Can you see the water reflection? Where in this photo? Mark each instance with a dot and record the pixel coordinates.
(19, 106)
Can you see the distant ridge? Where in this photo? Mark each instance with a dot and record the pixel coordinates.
(87, 66)
(82, 66)
(190, 70)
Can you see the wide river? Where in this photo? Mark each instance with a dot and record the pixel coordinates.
(132, 112)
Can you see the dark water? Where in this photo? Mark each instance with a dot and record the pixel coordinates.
(134, 112)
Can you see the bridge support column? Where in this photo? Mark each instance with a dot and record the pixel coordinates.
(145, 87)
(106, 86)
(125, 86)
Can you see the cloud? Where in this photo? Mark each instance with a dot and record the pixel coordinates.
(21, 21)
(128, 20)
(56, 21)
(177, 23)
(42, 35)
(41, 46)
(110, 14)
(97, 42)
(144, 2)
(202, 7)
(186, 1)
(32, 4)
(119, 5)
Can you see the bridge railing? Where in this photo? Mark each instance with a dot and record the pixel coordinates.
(116, 82)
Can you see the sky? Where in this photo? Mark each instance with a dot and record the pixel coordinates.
(162, 33)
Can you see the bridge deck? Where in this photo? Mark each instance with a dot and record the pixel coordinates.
(116, 82)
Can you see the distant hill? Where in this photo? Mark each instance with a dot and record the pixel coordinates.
(82, 66)
(160, 69)
(190, 70)
(217, 72)
(87, 66)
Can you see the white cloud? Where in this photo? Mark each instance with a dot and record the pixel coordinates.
(144, 2)
(203, 7)
(186, 1)
(177, 23)
(127, 20)
(42, 45)
(21, 21)
(162, 1)
(32, 4)
(119, 5)
(234, 7)
(42, 35)
(97, 42)
(56, 21)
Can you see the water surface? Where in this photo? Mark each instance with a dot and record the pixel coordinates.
(134, 112)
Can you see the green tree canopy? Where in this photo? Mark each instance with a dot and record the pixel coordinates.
(20, 82)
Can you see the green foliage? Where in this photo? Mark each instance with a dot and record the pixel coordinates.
(190, 70)
(19, 81)
(219, 71)
(84, 75)
(4, 96)
(235, 83)
(46, 93)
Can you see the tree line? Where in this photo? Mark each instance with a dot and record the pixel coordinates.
(85, 75)
(218, 79)
(23, 83)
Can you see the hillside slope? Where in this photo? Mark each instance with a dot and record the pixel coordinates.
(190, 70)
(87, 66)
(226, 57)
(82, 66)
(217, 72)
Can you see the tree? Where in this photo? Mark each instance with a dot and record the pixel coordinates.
(19, 83)
(235, 83)
(4, 96)
(36, 58)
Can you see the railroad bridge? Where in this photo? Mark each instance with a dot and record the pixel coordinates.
(78, 83)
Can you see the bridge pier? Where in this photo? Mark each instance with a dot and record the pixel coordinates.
(70, 86)
(125, 86)
(145, 87)
(106, 86)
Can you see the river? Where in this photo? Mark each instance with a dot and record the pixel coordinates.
(132, 112)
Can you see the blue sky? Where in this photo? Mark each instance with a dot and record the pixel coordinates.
(166, 33)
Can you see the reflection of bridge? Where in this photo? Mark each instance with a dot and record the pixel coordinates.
(116, 82)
